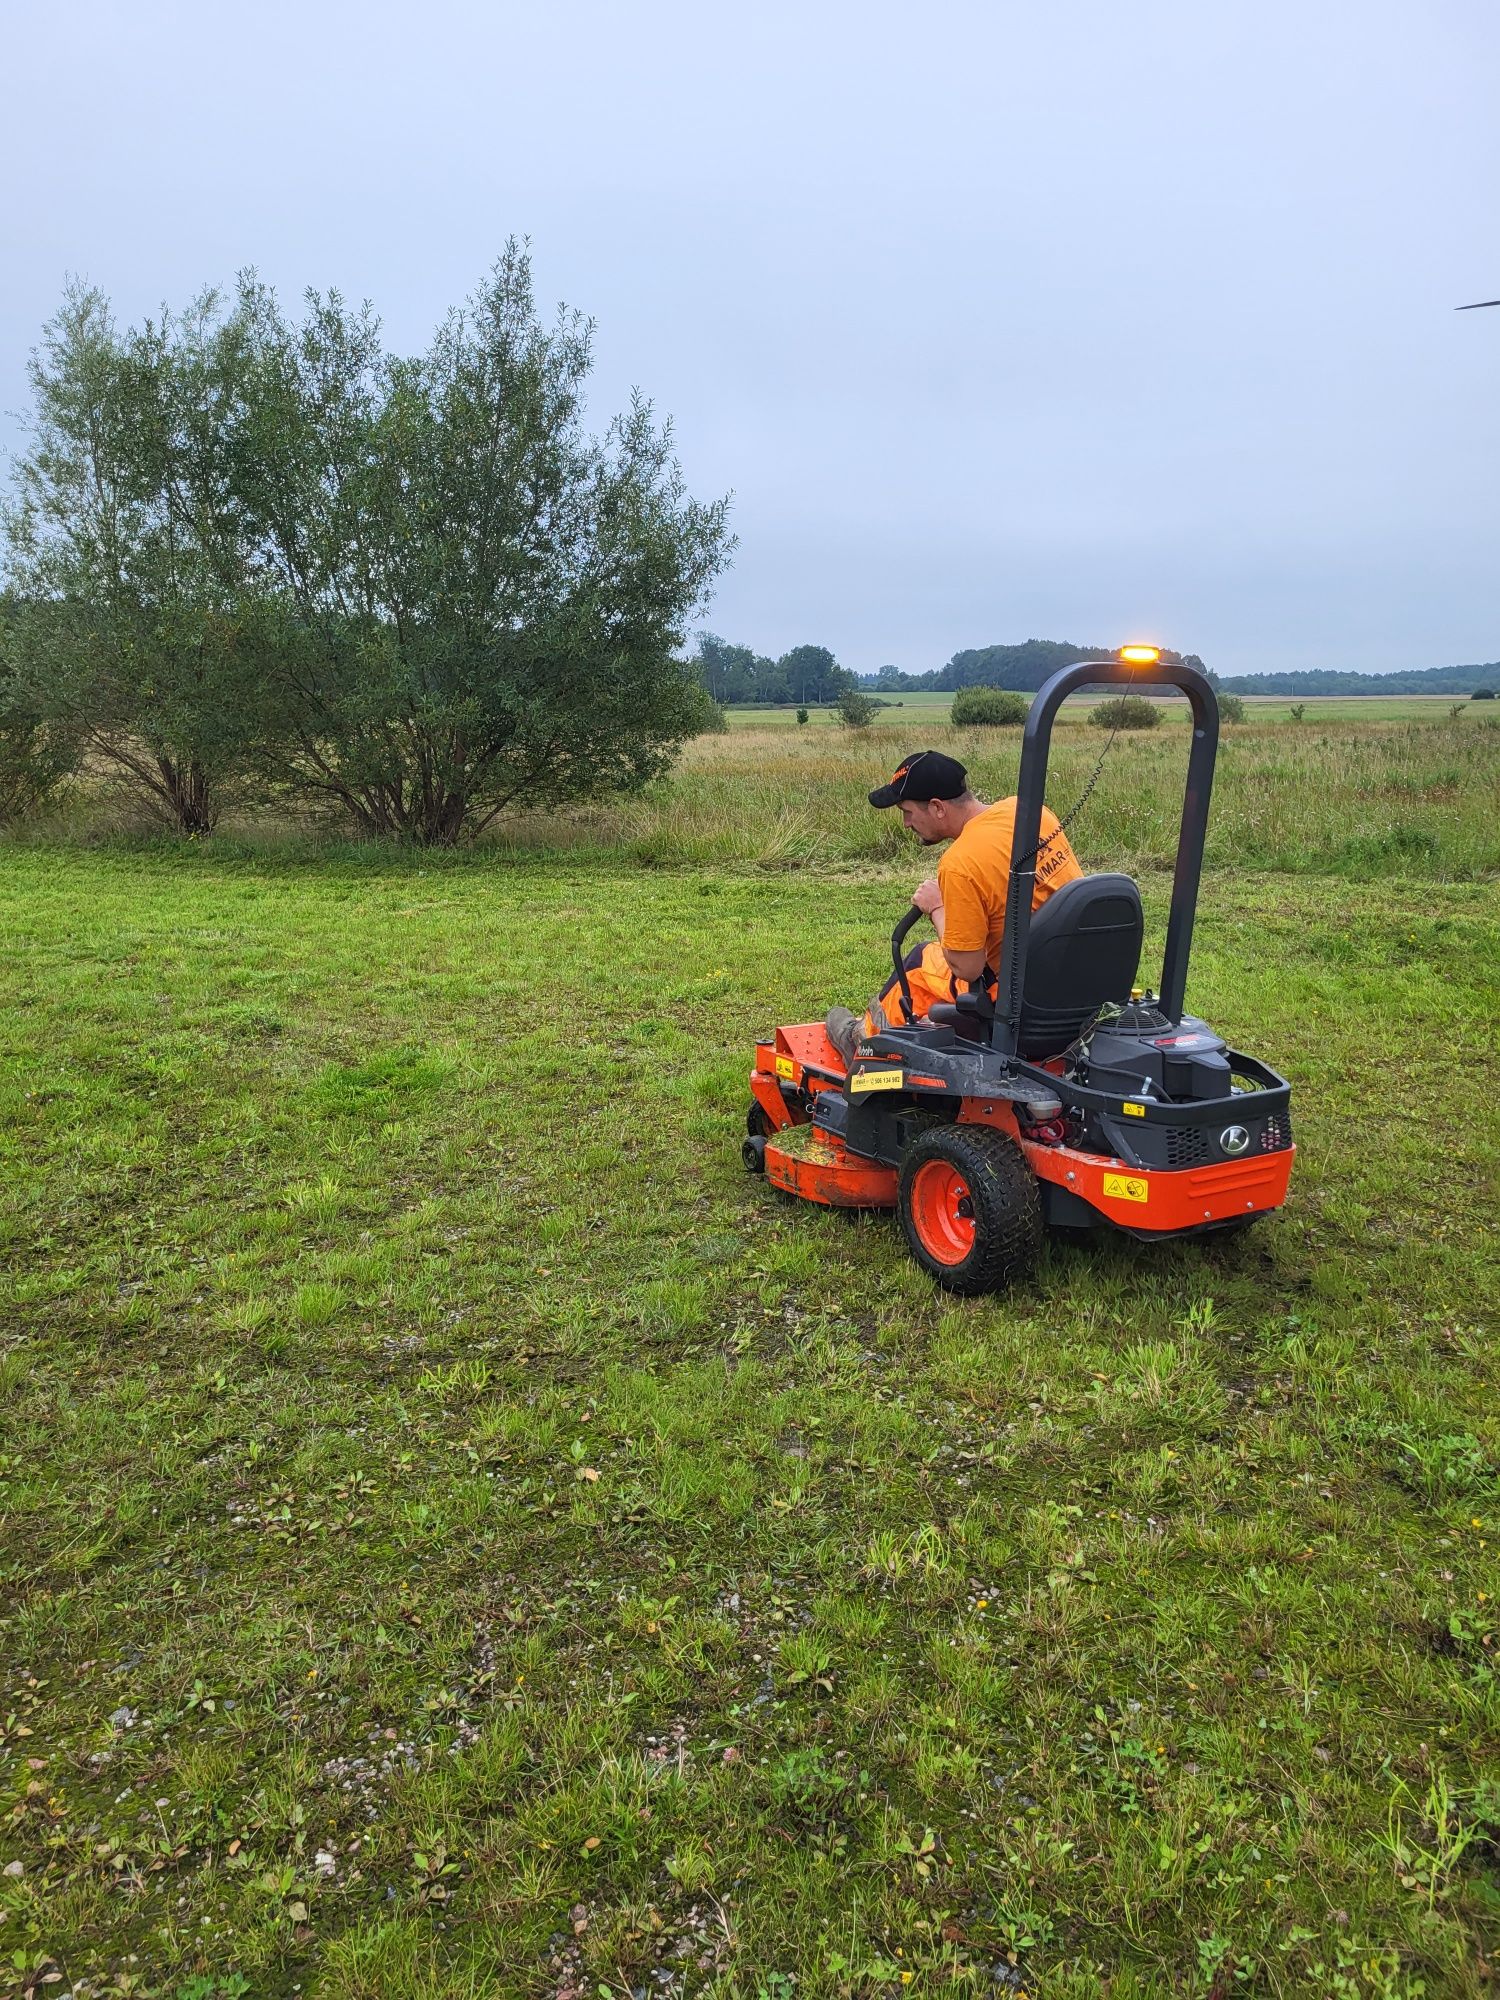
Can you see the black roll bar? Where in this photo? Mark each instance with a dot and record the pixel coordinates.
(1030, 786)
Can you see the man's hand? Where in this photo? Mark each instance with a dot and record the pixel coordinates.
(928, 896)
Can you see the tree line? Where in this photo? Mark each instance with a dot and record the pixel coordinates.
(249, 553)
(734, 674)
(1021, 667)
(1332, 680)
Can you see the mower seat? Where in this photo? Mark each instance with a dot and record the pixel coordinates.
(1083, 948)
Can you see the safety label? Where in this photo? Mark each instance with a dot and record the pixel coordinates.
(785, 1067)
(1127, 1187)
(876, 1079)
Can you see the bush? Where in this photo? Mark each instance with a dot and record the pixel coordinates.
(1125, 711)
(703, 715)
(1231, 708)
(33, 761)
(802, 715)
(857, 710)
(1482, 694)
(35, 755)
(987, 708)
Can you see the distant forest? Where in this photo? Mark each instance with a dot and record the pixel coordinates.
(735, 674)
(1330, 680)
(1023, 668)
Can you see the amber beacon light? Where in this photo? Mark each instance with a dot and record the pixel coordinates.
(1139, 656)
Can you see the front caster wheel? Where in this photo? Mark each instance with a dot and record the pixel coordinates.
(969, 1206)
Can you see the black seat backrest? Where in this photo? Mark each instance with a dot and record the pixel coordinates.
(1083, 948)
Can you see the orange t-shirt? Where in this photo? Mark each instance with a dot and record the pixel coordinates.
(974, 874)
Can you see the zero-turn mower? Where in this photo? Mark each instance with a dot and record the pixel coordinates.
(1057, 1092)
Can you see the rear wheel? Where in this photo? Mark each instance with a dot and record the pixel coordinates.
(969, 1206)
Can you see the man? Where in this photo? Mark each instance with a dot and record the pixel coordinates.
(966, 899)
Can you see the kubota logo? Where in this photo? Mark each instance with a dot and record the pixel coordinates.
(1234, 1139)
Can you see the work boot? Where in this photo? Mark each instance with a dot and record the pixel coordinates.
(844, 1028)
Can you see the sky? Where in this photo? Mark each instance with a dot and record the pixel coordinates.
(999, 321)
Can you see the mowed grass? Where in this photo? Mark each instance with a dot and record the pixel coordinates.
(463, 1536)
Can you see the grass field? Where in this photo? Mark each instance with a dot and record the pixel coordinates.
(1357, 802)
(930, 707)
(462, 1536)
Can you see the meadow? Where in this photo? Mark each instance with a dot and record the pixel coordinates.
(1412, 791)
(463, 1536)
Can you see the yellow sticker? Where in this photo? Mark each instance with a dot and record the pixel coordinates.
(785, 1066)
(1134, 1110)
(877, 1079)
(1127, 1187)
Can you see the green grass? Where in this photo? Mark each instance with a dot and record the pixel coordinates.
(462, 1536)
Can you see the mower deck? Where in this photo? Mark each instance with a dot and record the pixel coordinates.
(1078, 1187)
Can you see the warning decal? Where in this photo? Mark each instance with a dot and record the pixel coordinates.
(1127, 1187)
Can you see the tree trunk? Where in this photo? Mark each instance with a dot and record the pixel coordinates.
(188, 795)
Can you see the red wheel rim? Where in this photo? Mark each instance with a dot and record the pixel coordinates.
(942, 1212)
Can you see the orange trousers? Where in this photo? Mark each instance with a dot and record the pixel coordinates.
(930, 980)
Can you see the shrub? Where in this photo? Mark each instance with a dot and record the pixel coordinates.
(857, 710)
(1125, 711)
(1297, 711)
(703, 715)
(1482, 694)
(35, 755)
(987, 708)
(33, 761)
(802, 715)
(1231, 708)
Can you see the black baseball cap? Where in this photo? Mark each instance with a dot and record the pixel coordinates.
(922, 777)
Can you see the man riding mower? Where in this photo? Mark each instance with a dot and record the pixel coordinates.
(1015, 1075)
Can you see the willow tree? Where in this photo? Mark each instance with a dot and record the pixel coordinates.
(137, 635)
(483, 604)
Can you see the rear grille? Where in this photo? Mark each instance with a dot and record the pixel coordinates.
(1187, 1146)
(1276, 1133)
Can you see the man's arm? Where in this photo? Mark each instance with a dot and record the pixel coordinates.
(967, 965)
(964, 964)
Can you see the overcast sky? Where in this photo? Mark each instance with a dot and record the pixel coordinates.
(1000, 321)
